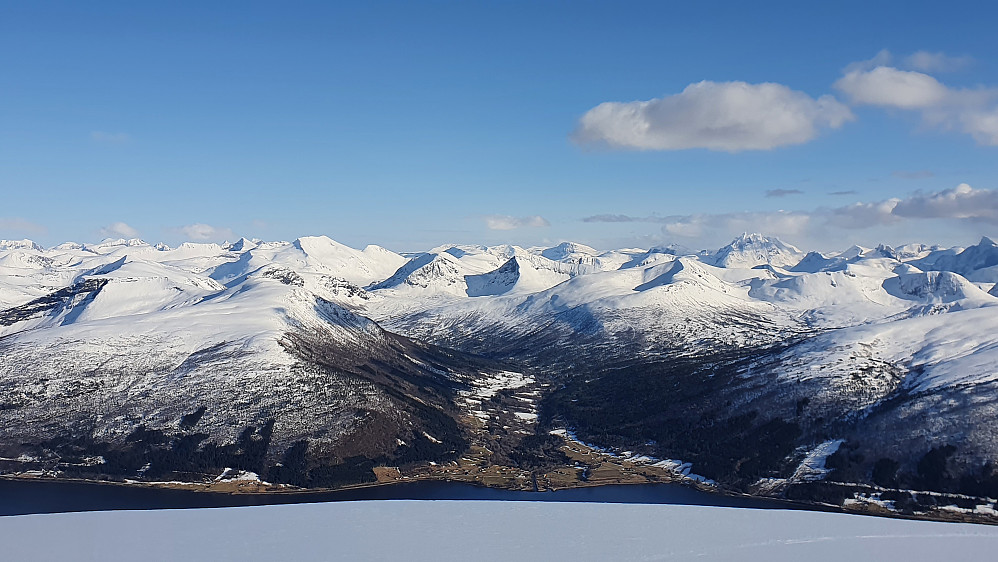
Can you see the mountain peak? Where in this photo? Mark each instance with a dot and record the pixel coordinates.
(19, 245)
(323, 243)
(751, 249)
(567, 249)
(111, 242)
(240, 245)
(749, 238)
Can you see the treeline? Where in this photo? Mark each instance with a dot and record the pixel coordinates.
(678, 409)
(934, 471)
(189, 455)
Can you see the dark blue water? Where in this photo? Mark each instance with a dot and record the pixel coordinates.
(20, 497)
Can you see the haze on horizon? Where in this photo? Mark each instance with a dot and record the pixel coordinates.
(409, 126)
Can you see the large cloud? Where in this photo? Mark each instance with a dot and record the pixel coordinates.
(962, 204)
(971, 111)
(726, 116)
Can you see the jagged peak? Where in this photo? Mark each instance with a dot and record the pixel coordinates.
(752, 249)
(24, 244)
(755, 239)
(854, 251)
(112, 242)
(240, 245)
(749, 238)
(419, 269)
(887, 251)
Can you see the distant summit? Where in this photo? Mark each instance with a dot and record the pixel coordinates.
(19, 245)
(751, 250)
(567, 250)
(240, 245)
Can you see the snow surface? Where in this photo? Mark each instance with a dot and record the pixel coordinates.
(940, 350)
(481, 530)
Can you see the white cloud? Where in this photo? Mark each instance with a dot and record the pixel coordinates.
(506, 222)
(725, 116)
(974, 112)
(889, 87)
(923, 61)
(862, 215)
(963, 206)
(961, 202)
(19, 225)
(118, 230)
(980, 124)
(201, 232)
(110, 138)
(778, 223)
(936, 62)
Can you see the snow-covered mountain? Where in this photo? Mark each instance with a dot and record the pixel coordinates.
(751, 250)
(123, 350)
(977, 263)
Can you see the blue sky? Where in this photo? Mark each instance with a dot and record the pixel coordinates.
(415, 124)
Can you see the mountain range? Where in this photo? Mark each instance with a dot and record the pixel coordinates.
(867, 376)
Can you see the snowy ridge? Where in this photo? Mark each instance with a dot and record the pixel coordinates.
(515, 287)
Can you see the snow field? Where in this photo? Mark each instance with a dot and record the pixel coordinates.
(487, 530)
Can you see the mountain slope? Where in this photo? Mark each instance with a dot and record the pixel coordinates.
(242, 377)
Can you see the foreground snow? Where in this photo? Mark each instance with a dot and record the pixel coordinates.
(480, 530)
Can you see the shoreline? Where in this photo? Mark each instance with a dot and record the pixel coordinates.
(473, 469)
(322, 495)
